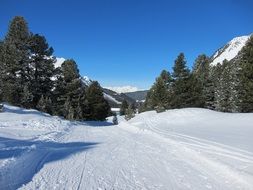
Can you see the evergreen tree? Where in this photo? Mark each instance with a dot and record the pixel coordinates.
(99, 107)
(159, 96)
(195, 92)
(15, 60)
(201, 82)
(209, 89)
(58, 99)
(42, 67)
(1, 70)
(149, 103)
(45, 104)
(123, 107)
(129, 113)
(222, 90)
(181, 86)
(246, 77)
(26, 96)
(70, 91)
(83, 109)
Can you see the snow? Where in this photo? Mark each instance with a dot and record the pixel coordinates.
(86, 80)
(110, 98)
(115, 109)
(178, 149)
(231, 51)
(59, 61)
(123, 89)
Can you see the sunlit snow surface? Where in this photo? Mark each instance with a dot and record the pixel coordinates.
(178, 149)
(230, 51)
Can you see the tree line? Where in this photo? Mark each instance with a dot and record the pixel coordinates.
(226, 87)
(28, 78)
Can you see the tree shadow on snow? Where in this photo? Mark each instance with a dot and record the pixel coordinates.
(24, 158)
(18, 110)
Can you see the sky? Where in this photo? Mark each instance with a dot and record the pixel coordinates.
(129, 42)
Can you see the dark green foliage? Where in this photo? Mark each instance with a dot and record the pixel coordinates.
(222, 91)
(15, 60)
(72, 90)
(45, 104)
(209, 90)
(41, 67)
(28, 78)
(180, 70)
(246, 76)
(123, 107)
(201, 80)
(1, 70)
(159, 95)
(99, 107)
(26, 97)
(58, 94)
(129, 113)
(182, 85)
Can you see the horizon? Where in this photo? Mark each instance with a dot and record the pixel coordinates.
(128, 43)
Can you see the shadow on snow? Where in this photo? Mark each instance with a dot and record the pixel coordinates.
(18, 110)
(27, 157)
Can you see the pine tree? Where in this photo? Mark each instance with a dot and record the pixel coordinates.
(233, 85)
(123, 107)
(129, 113)
(15, 60)
(149, 103)
(209, 89)
(181, 86)
(223, 88)
(99, 107)
(83, 109)
(69, 89)
(246, 77)
(45, 104)
(159, 96)
(42, 67)
(1, 71)
(201, 82)
(58, 99)
(26, 97)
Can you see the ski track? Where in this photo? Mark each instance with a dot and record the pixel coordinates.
(129, 156)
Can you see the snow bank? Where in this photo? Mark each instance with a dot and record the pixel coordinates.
(234, 129)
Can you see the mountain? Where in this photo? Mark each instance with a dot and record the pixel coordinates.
(138, 95)
(230, 50)
(115, 99)
(123, 89)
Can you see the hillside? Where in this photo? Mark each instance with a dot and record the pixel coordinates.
(178, 149)
(230, 50)
(114, 99)
(138, 95)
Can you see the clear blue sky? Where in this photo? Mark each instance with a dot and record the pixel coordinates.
(128, 42)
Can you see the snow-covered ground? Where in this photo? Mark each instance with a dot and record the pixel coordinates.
(177, 149)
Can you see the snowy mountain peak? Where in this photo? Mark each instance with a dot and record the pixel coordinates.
(230, 50)
(123, 89)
